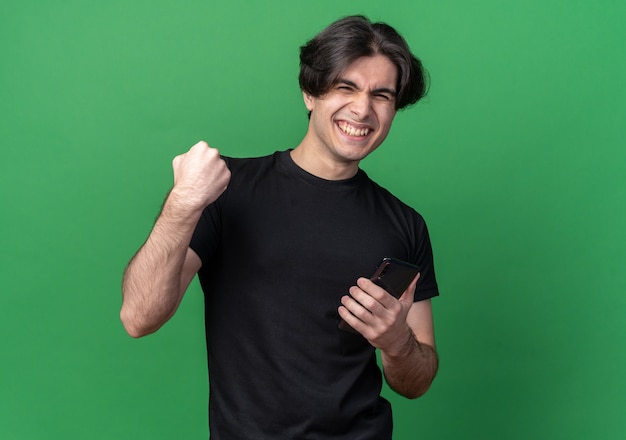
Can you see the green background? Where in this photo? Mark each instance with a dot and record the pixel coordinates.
(516, 159)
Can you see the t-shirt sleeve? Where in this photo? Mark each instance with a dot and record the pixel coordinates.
(205, 238)
(427, 284)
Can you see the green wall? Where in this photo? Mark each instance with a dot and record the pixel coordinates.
(516, 159)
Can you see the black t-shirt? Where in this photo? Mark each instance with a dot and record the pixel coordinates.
(279, 248)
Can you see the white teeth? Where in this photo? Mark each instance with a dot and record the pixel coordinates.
(350, 130)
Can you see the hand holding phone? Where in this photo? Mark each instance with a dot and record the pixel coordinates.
(394, 276)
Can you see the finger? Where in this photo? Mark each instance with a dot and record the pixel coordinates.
(200, 145)
(351, 320)
(372, 302)
(384, 298)
(409, 293)
(354, 305)
(363, 307)
(371, 288)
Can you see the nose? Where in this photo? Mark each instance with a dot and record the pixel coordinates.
(361, 106)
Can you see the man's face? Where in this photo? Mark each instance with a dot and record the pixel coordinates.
(354, 117)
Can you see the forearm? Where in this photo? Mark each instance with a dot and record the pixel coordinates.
(411, 370)
(151, 284)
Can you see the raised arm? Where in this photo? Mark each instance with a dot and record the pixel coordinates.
(157, 277)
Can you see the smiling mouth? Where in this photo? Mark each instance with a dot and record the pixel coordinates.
(351, 130)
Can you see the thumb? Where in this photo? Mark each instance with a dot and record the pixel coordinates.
(409, 293)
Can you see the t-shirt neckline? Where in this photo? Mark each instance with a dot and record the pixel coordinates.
(285, 159)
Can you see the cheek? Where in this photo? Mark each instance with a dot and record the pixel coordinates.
(387, 118)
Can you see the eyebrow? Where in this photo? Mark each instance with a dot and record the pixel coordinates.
(379, 90)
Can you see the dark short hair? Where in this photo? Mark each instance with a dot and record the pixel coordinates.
(324, 58)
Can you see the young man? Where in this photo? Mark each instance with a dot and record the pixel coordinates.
(284, 245)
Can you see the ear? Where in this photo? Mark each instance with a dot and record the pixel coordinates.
(309, 101)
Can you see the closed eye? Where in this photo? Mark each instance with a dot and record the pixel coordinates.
(344, 84)
(384, 94)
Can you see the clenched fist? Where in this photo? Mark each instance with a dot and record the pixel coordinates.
(200, 176)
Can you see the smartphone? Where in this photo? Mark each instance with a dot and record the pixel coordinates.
(394, 276)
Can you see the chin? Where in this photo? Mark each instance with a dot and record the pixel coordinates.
(355, 153)
(353, 156)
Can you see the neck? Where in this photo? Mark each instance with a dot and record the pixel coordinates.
(322, 166)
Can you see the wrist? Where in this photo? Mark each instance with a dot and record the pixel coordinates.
(180, 202)
(177, 216)
(404, 346)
